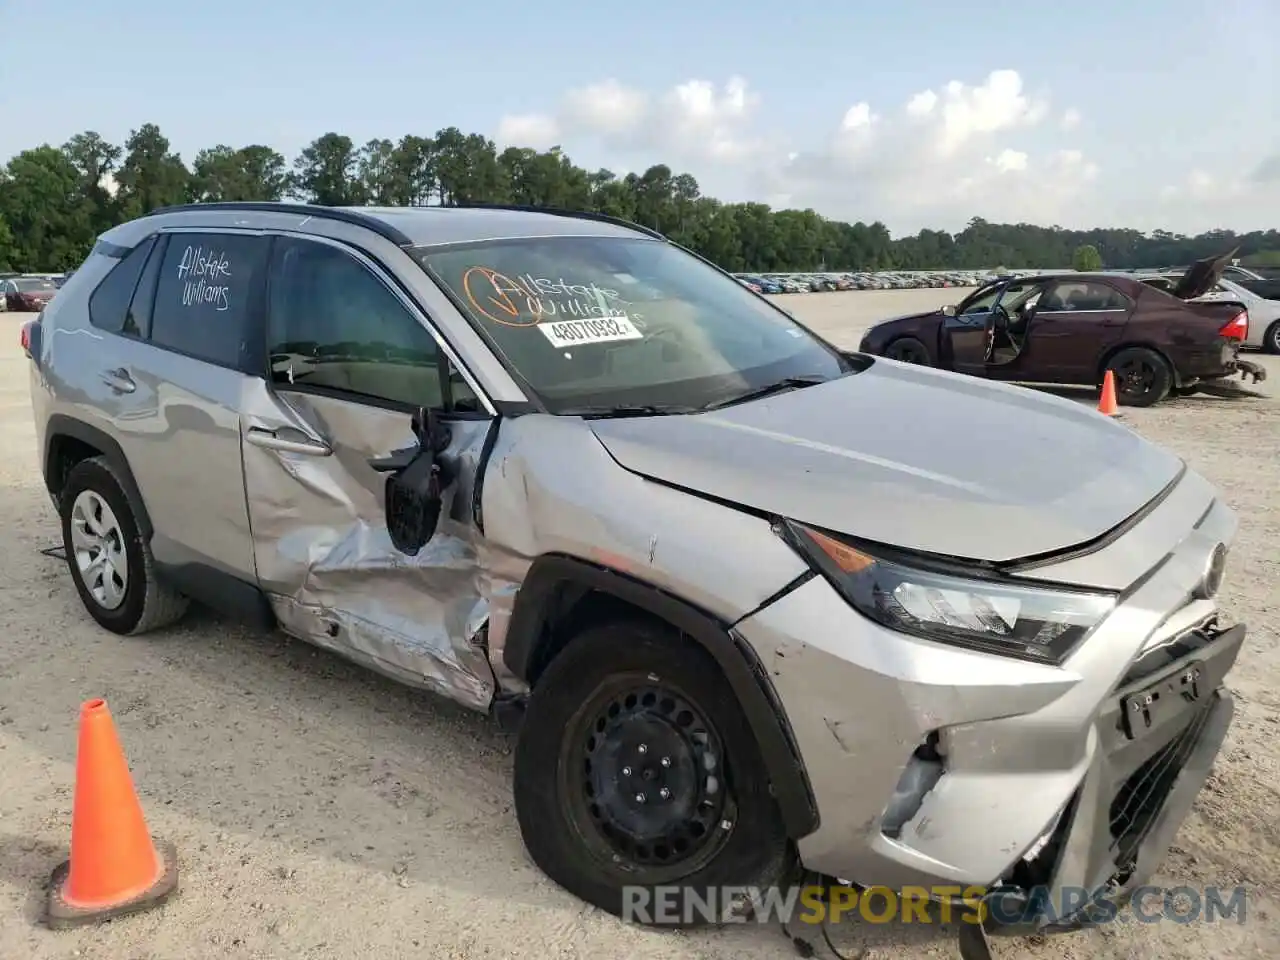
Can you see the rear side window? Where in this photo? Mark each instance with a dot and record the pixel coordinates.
(109, 302)
(208, 296)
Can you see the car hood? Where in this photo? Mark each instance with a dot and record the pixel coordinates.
(911, 457)
(1202, 275)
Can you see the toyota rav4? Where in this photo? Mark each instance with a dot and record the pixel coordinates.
(751, 600)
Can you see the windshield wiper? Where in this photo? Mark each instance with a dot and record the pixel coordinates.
(624, 410)
(756, 393)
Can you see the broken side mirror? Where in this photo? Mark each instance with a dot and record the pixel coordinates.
(949, 311)
(414, 491)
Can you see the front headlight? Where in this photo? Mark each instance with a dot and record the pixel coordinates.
(1043, 624)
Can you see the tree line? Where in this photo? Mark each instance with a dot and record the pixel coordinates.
(54, 201)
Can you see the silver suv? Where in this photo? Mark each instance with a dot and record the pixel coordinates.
(750, 599)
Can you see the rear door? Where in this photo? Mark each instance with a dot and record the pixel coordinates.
(351, 357)
(1073, 326)
(171, 376)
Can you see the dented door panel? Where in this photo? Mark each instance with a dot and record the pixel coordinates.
(325, 559)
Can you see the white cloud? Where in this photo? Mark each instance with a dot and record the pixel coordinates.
(960, 149)
(528, 130)
(695, 120)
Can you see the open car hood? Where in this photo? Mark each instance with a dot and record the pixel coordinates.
(1202, 275)
(911, 457)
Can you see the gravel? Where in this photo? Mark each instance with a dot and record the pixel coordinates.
(322, 812)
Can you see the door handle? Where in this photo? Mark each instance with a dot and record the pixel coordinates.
(119, 380)
(288, 440)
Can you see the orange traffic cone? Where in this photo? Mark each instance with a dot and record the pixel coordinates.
(115, 868)
(1107, 402)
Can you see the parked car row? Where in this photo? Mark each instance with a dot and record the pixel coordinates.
(752, 604)
(828, 282)
(26, 292)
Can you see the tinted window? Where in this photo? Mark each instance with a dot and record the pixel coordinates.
(1078, 295)
(109, 303)
(599, 321)
(332, 323)
(204, 301)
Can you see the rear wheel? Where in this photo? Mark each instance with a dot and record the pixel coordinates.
(1142, 377)
(908, 350)
(110, 563)
(636, 769)
(1271, 339)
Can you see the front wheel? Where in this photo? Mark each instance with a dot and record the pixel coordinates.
(636, 769)
(908, 350)
(1142, 376)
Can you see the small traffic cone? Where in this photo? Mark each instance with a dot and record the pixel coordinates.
(115, 868)
(1107, 402)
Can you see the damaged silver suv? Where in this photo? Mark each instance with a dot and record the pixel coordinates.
(750, 599)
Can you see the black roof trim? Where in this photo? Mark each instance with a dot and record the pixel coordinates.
(557, 212)
(343, 214)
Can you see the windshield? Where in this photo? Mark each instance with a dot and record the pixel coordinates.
(601, 321)
(34, 286)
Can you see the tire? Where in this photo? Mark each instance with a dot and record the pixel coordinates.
(1143, 377)
(1271, 339)
(909, 350)
(133, 604)
(567, 798)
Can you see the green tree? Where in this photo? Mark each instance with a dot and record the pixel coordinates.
(224, 173)
(39, 201)
(55, 202)
(1086, 259)
(151, 176)
(326, 172)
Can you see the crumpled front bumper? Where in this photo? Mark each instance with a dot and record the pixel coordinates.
(942, 768)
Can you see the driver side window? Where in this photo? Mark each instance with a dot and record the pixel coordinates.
(334, 324)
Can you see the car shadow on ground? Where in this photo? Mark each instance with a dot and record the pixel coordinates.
(408, 779)
(1088, 396)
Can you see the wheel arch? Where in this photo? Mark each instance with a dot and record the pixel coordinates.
(561, 595)
(68, 441)
(1163, 354)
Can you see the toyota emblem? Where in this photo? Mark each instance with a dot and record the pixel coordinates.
(1214, 571)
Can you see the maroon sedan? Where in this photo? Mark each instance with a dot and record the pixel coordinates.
(1071, 328)
(27, 293)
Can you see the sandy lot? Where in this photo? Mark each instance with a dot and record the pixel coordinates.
(321, 812)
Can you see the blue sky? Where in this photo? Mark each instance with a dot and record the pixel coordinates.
(1132, 112)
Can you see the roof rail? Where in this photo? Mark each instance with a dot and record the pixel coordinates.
(343, 214)
(559, 212)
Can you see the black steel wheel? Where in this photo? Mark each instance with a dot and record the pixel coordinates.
(643, 769)
(1142, 377)
(637, 768)
(908, 350)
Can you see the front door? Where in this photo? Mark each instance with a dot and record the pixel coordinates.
(964, 334)
(351, 358)
(1074, 324)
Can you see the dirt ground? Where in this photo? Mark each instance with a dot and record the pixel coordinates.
(322, 813)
